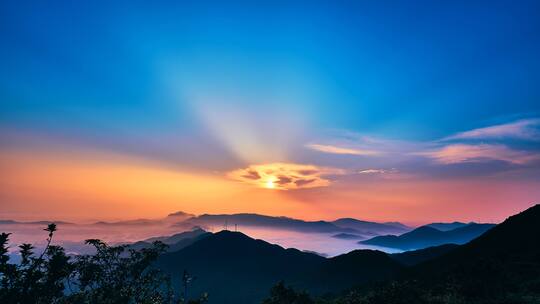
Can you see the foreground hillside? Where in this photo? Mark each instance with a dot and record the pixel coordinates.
(504, 261)
(235, 268)
(500, 266)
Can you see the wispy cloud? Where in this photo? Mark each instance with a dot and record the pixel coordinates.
(376, 171)
(284, 176)
(524, 129)
(463, 153)
(342, 150)
(494, 148)
(385, 174)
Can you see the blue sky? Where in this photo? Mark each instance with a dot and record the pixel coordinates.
(422, 69)
(227, 84)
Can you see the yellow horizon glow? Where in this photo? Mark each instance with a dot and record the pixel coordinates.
(45, 184)
(110, 186)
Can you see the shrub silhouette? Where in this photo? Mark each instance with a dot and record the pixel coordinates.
(281, 294)
(114, 274)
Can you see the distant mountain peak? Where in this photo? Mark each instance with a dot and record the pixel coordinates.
(398, 224)
(349, 219)
(371, 228)
(230, 234)
(235, 237)
(427, 236)
(425, 228)
(180, 213)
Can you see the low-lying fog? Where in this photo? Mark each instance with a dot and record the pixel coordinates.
(72, 236)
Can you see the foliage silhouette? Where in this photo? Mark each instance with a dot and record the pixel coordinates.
(114, 274)
(281, 294)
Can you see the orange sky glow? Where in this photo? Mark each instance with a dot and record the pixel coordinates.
(85, 186)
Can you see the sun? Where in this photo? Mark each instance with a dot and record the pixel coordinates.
(270, 184)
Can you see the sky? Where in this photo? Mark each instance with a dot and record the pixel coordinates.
(415, 111)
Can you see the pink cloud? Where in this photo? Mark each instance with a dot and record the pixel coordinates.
(341, 150)
(373, 171)
(525, 129)
(462, 153)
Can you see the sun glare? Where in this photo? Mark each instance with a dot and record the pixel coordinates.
(270, 184)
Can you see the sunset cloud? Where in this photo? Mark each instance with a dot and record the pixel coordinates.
(525, 129)
(464, 153)
(342, 150)
(284, 176)
(493, 143)
(376, 171)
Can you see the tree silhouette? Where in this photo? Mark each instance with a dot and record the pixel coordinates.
(114, 274)
(281, 294)
(36, 279)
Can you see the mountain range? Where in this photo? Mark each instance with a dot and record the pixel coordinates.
(500, 266)
(181, 220)
(448, 226)
(171, 218)
(234, 268)
(370, 228)
(427, 236)
(471, 262)
(345, 225)
(414, 257)
(176, 241)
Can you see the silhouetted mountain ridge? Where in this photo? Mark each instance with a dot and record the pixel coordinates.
(414, 257)
(257, 220)
(355, 267)
(176, 241)
(183, 220)
(427, 236)
(180, 214)
(500, 266)
(348, 225)
(366, 227)
(235, 268)
(517, 236)
(171, 239)
(136, 222)
(503, 261)
(448, 226)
